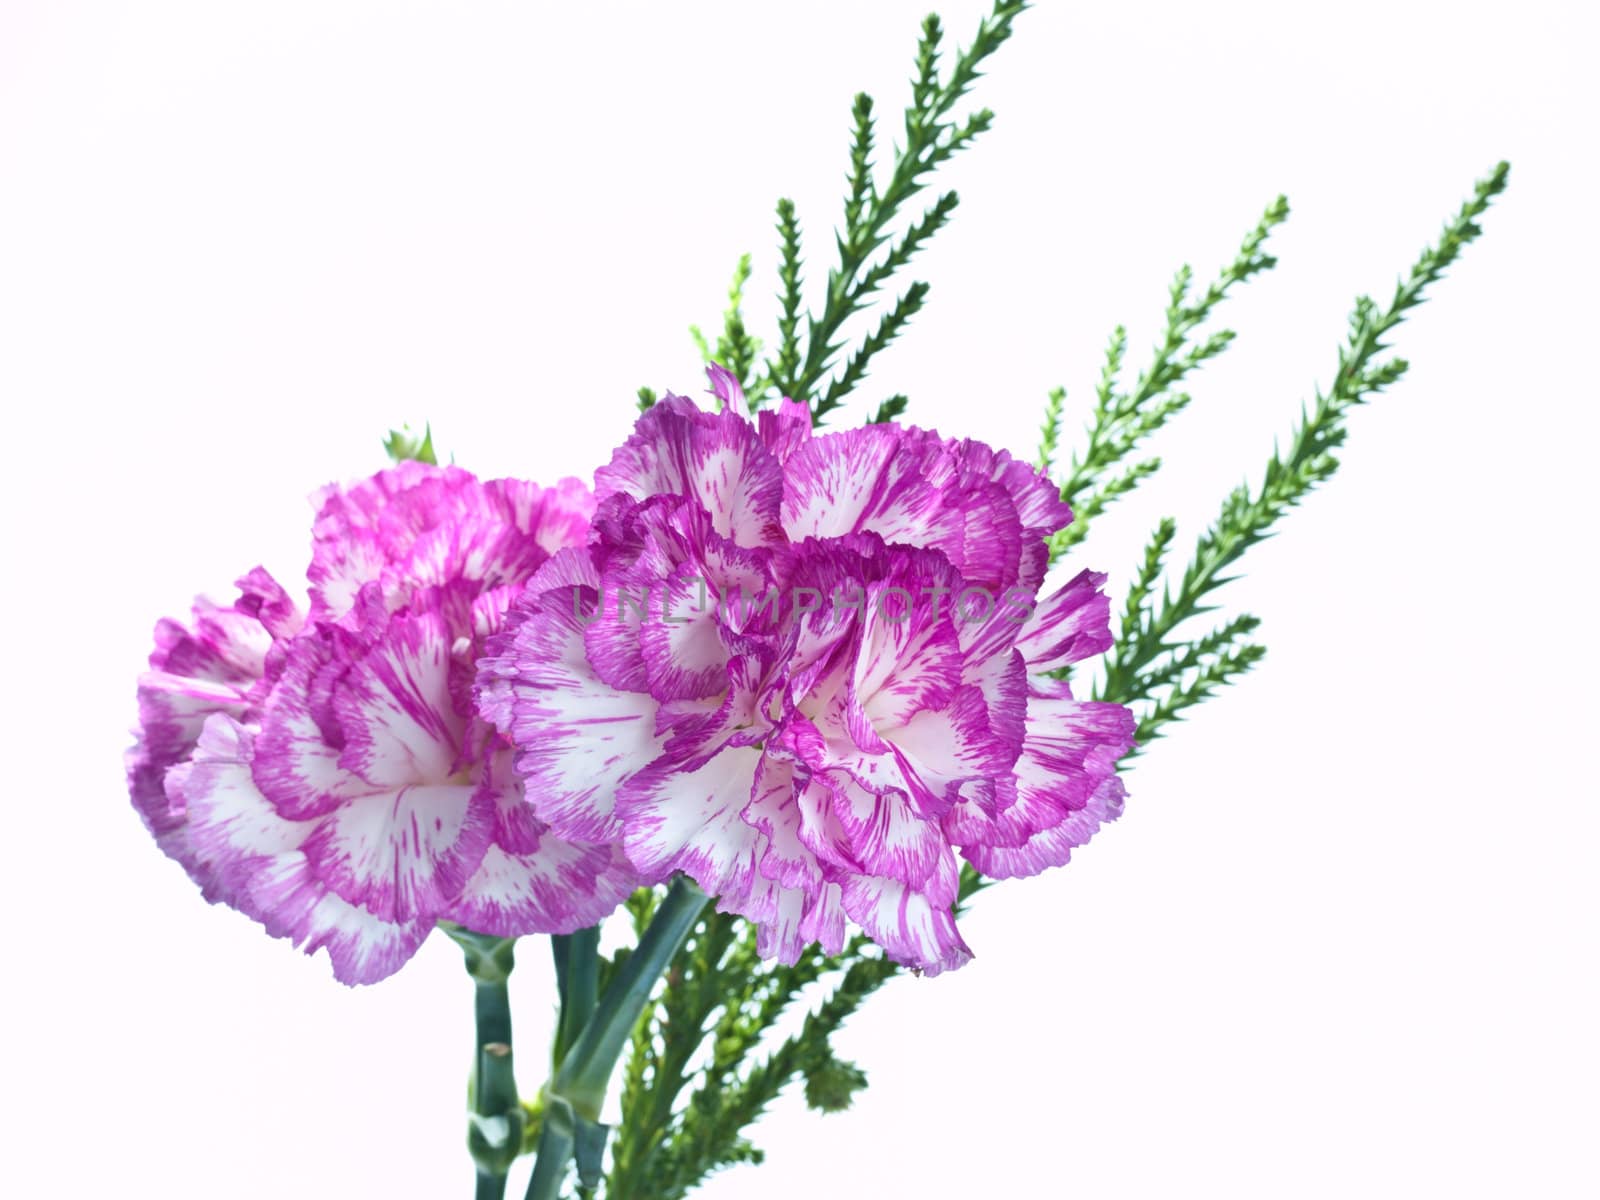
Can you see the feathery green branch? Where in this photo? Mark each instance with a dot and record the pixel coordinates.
(787, 361)
(1050, 431)
(712, 1136)
(1248, 514)
(888, 329)
(802, 362)
(1122, 420)
(736, 349)
(890, 410)
(1199, 679)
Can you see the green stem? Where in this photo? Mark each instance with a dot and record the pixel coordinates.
(489, 1187)
(553, 1152)
(497, 1084)
(494, 1130)
(586, 1068)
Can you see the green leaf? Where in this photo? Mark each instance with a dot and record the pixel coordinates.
(586, 1068)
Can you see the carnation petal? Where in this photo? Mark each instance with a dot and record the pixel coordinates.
(775, 810)
(714, 458)
(403, 855)
(688, 817)
(785, 428)
(885, 834)
(1052, 845)
(254, 854)
(558, 887)
(578, 738)
(1071, 624)
(911, 930)
(396, 705)
(794, 919)
(232, 826)
(867, 480)
(362, 948)
(1063, 791)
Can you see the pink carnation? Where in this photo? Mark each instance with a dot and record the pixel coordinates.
(327, 776)
(810, 672)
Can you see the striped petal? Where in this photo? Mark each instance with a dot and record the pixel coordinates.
(256, 855)
(558, 887)
(578, 738)
(688, 817)
(1072, 624)
(913, 930)
(1065, 789)
(714, 458)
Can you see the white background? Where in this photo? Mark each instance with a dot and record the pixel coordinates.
(1343, 941)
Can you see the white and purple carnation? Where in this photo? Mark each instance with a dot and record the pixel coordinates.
(327, 775)
(810, 672)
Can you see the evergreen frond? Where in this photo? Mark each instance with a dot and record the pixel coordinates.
(1123, 420)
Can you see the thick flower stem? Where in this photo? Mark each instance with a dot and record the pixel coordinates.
(489, 1187)
(494, 1130)
(553, 1152)
(496, 1093)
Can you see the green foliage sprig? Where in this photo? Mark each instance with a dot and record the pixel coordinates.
(873, 246)
(1124, 419)
(716, 1008)
(735, 348)
(1150, 666)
